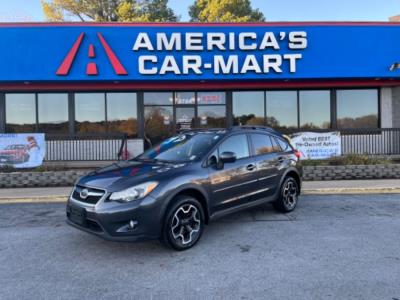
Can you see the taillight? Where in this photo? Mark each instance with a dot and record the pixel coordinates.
(297, 153)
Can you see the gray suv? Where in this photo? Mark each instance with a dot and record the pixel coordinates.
(174, 189)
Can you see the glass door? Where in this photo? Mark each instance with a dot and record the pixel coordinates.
(185, 117)
(185, 110)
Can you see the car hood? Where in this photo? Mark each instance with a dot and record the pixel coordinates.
(122, 175)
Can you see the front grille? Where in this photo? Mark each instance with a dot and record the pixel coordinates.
(93, 195)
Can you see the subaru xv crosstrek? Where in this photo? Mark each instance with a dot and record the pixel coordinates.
(173, 189)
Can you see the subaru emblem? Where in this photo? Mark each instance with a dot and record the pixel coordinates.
(84, 193)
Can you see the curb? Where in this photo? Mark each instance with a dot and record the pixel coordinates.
(41, 199)
(350, 191)
(322, 191)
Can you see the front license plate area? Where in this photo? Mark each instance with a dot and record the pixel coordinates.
(77, 215)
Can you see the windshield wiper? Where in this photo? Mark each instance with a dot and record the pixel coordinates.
(145, 159)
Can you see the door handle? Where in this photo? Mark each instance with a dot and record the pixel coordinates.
(250, 167)
(281, 159)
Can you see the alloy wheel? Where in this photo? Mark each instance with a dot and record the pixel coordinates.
(290, 194)
(186, 224)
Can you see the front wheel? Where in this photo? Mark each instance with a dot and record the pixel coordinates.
(184, 223)
(288, 196)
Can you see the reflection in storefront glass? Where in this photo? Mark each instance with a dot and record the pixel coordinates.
(248, 108)
(90, 112)
(184, 118)
(158, 124)
(357, 108)
(211, 97)
(20, 113)
(315, 109)
(212, 116)
(121, 113)
(282, 109)
(53, 113)
(184, 98)
(158, 98)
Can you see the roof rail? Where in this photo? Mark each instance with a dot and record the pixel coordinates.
(254, 127)
(200, 129)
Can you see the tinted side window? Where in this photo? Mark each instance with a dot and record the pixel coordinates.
(262, 144)
(275, 145)
(237, 144)
(284, 145)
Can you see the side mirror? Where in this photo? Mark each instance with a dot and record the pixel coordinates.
(227, 157)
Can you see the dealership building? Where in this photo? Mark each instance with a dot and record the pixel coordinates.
(101, 81)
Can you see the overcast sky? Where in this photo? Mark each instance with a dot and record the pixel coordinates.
(282, 10)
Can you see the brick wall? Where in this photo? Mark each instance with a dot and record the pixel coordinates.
(390, 171)
(67, 178)
(39, 179)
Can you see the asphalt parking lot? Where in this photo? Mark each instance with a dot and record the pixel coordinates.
(331, 247)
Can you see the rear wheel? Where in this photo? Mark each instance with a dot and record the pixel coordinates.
(184, 223)
(288, 197)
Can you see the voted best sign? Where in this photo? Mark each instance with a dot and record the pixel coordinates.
(197, 52)
(313, 145)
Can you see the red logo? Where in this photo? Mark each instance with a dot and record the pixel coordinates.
(91, 67)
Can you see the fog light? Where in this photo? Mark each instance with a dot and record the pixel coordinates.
(132, 224)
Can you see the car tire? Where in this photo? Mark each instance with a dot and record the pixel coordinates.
(183, 224)
(288, 196)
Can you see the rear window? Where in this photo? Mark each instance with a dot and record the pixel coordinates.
(262, 144)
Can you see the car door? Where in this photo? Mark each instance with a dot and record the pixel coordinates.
(233, 183)
(267, 159)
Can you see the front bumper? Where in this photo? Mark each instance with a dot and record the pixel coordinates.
(112, 220)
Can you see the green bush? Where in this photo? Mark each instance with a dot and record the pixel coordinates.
(351, 159)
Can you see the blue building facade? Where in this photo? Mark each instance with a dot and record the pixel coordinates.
(150, 80)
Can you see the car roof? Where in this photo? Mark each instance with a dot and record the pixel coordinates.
(246, 128)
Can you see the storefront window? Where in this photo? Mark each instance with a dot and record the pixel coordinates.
(211, 98)
(122, 113)
(357, 108)
(158, 98)
(282, 109)
(53, 113)
(248, 108)
(90, 113)
(20, 113)
(158, 124)
(185, 98)
(212, 116)
(315, 111)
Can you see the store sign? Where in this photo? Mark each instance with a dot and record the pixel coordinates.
(162, 52)
(314, 145)
(25, 150)
(220, 43)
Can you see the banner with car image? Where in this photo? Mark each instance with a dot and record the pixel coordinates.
(317, 145)
(22, 150)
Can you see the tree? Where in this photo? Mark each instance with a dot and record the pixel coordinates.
(109, 10)
(224, 11)
(146, 11)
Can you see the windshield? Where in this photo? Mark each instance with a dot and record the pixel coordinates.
(183, 147)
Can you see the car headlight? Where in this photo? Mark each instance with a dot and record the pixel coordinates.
(134, 193)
